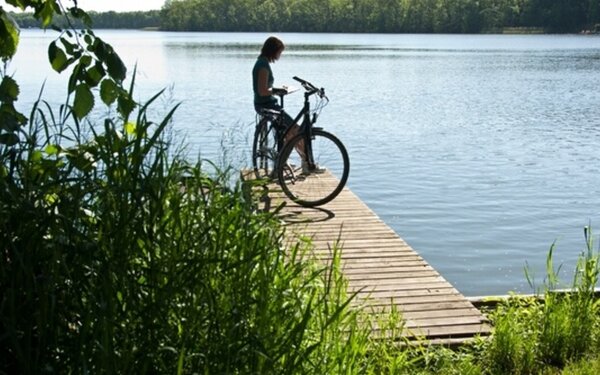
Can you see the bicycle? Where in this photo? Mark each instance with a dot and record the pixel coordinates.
(312, 166)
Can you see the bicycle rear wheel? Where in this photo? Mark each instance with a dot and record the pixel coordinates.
(323, 180)
(264, 149)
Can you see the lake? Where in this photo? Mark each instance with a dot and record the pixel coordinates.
(479, 150)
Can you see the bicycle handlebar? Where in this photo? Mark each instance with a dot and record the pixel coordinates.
(303, 82)
(312, 89)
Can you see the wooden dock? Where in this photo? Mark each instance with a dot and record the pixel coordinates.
(383, 268)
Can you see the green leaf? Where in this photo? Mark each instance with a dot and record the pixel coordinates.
(116, 68)
(10, 118)
(88, 40)
(94, 75)
(69, 47)
(109, 91)
(85, 60)
(84, 101)
(51, 198)
(100, 49)
(77, 75)
(52, 149)
(9, 36)
(125, 105)
(9, 139)
(55, 6)
(82, 15)
(46, 13)
(57, 57)
(36, 156)
(130, 128)
(9, 90)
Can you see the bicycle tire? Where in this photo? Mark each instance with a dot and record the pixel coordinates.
(314, 189)
(264, 149)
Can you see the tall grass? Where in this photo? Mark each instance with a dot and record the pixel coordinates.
(514, 346)
(119, 256)
(554, 329)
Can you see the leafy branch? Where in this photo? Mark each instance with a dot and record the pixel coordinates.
(94, 64)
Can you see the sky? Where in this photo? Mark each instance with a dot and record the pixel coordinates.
(119, 5)
(106, 5)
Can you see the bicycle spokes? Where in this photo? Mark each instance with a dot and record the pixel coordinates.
(264, 150)
(319, 181)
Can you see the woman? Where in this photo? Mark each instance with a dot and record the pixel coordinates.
(264, 94)
(262, 77)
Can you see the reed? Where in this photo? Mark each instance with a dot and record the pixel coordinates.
(553, 330)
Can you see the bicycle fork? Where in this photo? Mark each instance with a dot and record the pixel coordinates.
(308, 138)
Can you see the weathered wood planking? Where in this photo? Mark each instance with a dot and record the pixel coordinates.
(383, 268)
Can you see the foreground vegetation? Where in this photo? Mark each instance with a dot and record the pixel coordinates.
(119, 255)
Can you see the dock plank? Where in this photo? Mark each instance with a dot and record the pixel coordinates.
(384, 270)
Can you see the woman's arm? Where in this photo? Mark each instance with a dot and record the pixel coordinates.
(263, 83)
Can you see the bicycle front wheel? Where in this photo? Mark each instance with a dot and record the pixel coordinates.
(313, 171)
(264, 149)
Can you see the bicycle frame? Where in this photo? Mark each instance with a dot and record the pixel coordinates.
(303, 118)
(302, 152)
(306, 126)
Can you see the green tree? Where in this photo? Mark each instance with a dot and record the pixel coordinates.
(470, 22)
(389, 16)
(125, 20)
(418, 15)
(386, 16)
(594, 14)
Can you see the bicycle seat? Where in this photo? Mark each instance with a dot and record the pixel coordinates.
(269, 113)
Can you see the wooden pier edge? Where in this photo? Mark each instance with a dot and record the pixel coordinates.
(382, 267)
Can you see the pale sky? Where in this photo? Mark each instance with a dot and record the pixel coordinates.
(118, 5)
(106, 5)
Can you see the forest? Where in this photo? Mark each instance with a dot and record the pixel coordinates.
(101, 20)
(381, 16)
(357, 16)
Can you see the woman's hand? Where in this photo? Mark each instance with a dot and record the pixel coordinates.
(279, 90)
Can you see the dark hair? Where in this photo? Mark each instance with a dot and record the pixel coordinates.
(271, 47)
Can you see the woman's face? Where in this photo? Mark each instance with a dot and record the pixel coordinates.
(278, 54)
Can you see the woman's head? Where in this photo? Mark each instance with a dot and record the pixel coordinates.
(272, 48)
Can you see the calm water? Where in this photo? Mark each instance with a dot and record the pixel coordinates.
(480, 151)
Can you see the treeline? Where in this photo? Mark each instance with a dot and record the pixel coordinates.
(101, 20)
(361, 16)
(383, 16)
(126, 20)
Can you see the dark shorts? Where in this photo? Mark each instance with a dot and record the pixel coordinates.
(287, 119)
